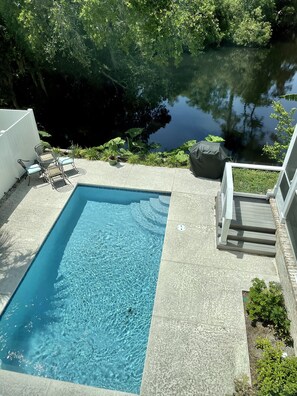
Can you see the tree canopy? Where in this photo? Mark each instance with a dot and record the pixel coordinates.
(99, 36)
(129, 45)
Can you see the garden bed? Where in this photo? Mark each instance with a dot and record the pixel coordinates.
(255, 332)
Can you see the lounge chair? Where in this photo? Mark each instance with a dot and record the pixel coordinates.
(52, 171)
(44, 157)
(63, 161)
(29, 168)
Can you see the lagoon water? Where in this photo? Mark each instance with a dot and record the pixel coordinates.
(229, 92)
(225, 91)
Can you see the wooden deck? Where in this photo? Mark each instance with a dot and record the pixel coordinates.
(252, 228)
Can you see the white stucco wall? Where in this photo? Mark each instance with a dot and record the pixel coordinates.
(18, 136)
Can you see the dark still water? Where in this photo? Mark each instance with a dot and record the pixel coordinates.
(226, 92)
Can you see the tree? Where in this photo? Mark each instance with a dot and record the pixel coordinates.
(96, 37)
(252, 30)
(284, 132)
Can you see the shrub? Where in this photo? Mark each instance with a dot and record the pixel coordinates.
(57, 151)
(276, 375)
(90, 153)
(214, 138)
(134, 159)
(266, 304)
(153, 159)
(284, 132)
(243, 387)
(76, 150)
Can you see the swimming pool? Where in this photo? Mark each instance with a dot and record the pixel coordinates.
(82, 312)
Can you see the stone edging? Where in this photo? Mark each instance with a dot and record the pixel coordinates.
(283, 238)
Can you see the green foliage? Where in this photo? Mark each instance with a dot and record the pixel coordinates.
(90, 37)
(91, 153)
(266, 304)
(141, 154)
(214, 138)
(113, 146)
(76, 150)
(251, 23)
(284, 132)
(252, 29)
(187, 145)
(276, 375)
(135, 144)
(178, 157)
(131, 134)
(153, 159)
(253, 180)
(134, 159)
(243, 387)
(292, 97)
(57, 151)
(182, 157)
(45, 135)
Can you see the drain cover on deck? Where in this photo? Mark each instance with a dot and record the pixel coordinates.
(181, 227)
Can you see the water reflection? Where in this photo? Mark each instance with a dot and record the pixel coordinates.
(229, 92)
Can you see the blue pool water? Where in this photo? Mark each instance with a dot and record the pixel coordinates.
(82, 313)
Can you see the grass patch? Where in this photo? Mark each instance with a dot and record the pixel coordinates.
(253, 180)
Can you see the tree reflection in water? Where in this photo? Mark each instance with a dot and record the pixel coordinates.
(227, 91)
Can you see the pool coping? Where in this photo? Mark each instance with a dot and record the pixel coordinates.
(192, 197)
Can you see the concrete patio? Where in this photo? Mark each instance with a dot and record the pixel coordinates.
(197, 343)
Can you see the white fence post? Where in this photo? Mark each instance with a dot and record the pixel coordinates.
(227, 202)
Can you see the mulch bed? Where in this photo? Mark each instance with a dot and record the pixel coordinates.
(253, 333)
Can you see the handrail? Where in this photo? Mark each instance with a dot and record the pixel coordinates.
(256, 166)
(227, 202)
(227, 192)
(273, 168)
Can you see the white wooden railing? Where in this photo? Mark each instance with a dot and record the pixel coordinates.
(227, 193)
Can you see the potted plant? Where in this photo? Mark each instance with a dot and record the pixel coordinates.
(112, 159)
(111, 149)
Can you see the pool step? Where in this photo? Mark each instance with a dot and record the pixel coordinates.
(144, 222)
(164, 199)
(160, 205)
(152, 215)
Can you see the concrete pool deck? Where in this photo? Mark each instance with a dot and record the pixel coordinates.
(197, 343)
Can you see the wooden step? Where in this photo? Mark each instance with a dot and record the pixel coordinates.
(250, 236)
(259, 225)
(252, 229)
(249, 214)
(248, 247)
